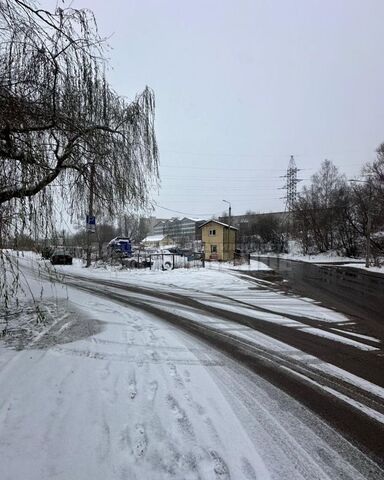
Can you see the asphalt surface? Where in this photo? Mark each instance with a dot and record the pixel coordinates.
(305, 384)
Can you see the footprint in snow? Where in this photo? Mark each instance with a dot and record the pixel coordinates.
(140, 441)
(199, 408)
(219, 466)
(155, 357)
(181, 417)
(105, 440)
(105, 372)
(152, 336)
(247, 469)
(152, 390)
(176, 377)
(132, 387)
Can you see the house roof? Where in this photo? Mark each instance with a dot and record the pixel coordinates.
(219, 223)
(155, 238)
(194, 219)
(178, 219)
(119, 239)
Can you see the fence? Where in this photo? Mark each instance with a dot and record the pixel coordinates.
(164, 261)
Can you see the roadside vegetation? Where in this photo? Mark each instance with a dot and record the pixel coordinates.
(66, 137)
(343, 215)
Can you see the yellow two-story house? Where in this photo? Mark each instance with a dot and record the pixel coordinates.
(219, 240)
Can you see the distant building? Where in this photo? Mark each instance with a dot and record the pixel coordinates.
(219, 240)
(237, 220)
(184, 231)
(159, 227)
(157, 241)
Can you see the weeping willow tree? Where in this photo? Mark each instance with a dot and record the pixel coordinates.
(64, 132)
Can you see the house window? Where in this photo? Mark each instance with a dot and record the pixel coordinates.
(213, 248)
(212, 233)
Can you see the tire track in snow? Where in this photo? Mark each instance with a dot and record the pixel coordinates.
(363, 429)
(194, 457)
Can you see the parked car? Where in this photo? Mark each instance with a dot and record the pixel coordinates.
(61, 257)
(177, 251)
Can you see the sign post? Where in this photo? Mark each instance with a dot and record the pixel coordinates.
(91, 224)
(90, 228)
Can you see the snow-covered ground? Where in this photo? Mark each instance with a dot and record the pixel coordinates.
(362, 265)
(103, 389)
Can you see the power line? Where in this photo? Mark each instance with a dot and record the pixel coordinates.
(183, 213)
(193, 196)
(194, 167)
(222, 154)
(216, 180)
(272, 155)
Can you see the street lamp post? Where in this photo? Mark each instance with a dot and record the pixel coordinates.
(229, 212)
(229, 222)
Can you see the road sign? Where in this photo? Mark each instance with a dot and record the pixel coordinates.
(91, 223)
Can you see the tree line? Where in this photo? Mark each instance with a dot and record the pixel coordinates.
(334, 213)
(331, 213)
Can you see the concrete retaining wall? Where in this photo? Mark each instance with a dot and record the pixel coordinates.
(356, 287)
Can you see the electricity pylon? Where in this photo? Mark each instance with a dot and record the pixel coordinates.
(291, 184)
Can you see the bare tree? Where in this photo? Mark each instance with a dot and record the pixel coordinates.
(376, 169)
(134, 226)
(367, 215)
(64, 133)
(332, 215)
(59, 119)
(317, 211)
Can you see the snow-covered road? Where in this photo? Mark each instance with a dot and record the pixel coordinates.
(125, 383)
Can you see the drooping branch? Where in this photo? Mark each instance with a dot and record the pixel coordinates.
(58, 113)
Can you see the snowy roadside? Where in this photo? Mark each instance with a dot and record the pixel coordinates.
(326, 258)
(126, 397)
(131, 396)
(212, 286)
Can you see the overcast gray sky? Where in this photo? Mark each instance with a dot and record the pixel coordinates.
(241, 85)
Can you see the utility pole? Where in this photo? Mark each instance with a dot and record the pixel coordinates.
(90, 212)
(292, 181)
(291, 187)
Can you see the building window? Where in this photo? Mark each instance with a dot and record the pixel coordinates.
(212, 233)
(213, 248)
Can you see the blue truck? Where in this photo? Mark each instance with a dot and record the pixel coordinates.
(121, 246)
